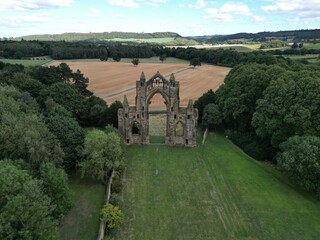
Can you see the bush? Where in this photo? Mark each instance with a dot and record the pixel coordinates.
(112, 215)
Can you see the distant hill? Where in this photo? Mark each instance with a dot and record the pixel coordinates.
(296, 35)
(98, 36)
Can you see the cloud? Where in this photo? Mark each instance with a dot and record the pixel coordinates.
(153, 3)
(236, 8)
(124, 3)
(227, 11)
(301, 9)
(218, 15)
(33, 4)
(95, 12)
(198, 4)
(22, 21)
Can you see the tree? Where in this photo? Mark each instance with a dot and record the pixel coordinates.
(116, 57)
(295, 45)
(81, 83)
(56, 186)
(112, 215)
(242, 87)
(25, 211)
(290, 106)
(162, 58)
(211, 116)
(68, 96)
(69, 133)
(195, 62)
(25, 83)
(97, 112)
(112, 113)
(135, 61)
(300, 158)
(201, 102)
(102, 152)
(23, 134)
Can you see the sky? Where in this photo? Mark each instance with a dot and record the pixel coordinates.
(185, 17)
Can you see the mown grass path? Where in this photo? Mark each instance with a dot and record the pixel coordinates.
(213, 191)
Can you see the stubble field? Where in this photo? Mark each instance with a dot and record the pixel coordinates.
(112, 80)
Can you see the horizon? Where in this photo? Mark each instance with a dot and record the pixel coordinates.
(185, 17)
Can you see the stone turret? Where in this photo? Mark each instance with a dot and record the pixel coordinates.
(142, 77)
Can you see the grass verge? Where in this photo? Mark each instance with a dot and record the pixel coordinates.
(82, 221)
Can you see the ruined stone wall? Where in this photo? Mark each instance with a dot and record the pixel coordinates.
(133, 122)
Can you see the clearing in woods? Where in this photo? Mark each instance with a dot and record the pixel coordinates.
(112, 80)
(212, 191)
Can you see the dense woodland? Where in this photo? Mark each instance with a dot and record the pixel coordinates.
(268, 105)
(43, 112)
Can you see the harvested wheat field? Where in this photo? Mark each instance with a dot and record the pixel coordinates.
(112, 80)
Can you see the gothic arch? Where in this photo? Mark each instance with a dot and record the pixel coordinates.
(176, 115)
(179, 129)
(151, 95)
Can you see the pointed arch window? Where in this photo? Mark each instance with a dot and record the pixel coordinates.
(179, 129)
(135, 129)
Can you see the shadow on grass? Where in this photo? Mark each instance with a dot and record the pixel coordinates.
(82, 221)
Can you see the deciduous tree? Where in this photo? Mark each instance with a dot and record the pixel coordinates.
(300, 158)
(135, 62)
(162, 58)
(290, 106)
(102, 152)
(195, 62)
(212, 116)
(25, 211)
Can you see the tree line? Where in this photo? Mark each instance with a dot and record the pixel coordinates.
(104, 50)
(272, 113)
(43, 112)
(297, 35)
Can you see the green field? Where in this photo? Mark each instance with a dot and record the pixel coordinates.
(37, 61)
(163, 41)
(312, 58)
(142, 40)
(312, 45)
(213, 191)
(82, 222)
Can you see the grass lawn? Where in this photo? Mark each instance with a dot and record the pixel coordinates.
(312, 45)
(143, 40)
(213, 191)
(255, 46)
(28, 62)
(82, 222)
(312, 58)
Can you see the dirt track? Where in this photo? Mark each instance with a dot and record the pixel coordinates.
(111, 80)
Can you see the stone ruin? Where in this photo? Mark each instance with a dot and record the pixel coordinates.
(133, 121)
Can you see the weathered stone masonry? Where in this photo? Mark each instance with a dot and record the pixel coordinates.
(133, 121)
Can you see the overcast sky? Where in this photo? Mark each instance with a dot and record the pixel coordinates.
(186, 17)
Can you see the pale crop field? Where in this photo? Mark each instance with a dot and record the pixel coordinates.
(112, 80)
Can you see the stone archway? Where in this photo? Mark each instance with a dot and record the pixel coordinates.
(169, 89)
(157, 117)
